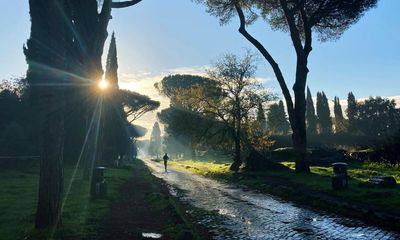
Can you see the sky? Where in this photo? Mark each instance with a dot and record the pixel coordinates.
(158, 37)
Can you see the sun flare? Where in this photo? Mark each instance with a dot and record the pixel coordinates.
(103, 84)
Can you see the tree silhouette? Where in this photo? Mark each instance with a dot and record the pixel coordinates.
(310, 115)
(115, 138)
(261, 119)
(378, 117)
(340, 123)
(301, 19)
(178, 119)
(65, 48)
(155, 140)
(277, 119)
(352, 113)
(45, 54)
(119, 106)
(236, 96)
(323, 113)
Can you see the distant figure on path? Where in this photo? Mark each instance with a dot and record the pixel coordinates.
(165, 158)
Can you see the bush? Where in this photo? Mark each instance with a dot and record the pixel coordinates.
(256, 161)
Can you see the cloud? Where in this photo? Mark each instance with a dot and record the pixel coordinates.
(197, 70)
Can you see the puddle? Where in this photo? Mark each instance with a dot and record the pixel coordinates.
(152, 235)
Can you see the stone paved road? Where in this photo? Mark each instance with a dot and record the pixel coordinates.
(250, 215)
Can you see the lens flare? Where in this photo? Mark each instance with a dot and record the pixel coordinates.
(103, 84)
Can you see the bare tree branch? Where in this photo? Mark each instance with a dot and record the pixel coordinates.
(269, 58)
(124, 4)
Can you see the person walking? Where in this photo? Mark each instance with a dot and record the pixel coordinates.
(165, 158)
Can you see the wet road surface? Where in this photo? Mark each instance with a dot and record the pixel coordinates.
(251, 215)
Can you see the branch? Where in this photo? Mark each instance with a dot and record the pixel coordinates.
(269, 58)
(294, 31)
(124, 4)
(307, 33)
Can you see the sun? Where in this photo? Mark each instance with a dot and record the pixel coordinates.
(103, 84)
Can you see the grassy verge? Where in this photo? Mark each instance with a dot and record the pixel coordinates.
(18, 197)
(315, 189)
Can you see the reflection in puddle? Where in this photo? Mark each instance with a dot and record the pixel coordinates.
(152, 235)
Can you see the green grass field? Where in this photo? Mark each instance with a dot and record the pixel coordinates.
(319, 180)
(18, 203)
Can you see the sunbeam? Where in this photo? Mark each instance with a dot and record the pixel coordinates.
(75, 170)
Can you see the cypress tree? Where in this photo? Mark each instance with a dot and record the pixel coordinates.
(112, 63)
(261, 120)
(115, 138)
(285, 125)
(323, 113)
(311, 118)
(277, 120)
(155, 140)
(339, 119)
(352, 113)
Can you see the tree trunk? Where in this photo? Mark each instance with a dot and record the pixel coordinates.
(237, 161)
(45, 54)
(193, 150)
(296, 111)
(298, 123)
(51, 167)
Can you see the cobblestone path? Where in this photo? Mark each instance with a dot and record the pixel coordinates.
(251, 215)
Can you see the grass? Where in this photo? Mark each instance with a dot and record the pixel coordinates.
(318, 181)
(19, 196)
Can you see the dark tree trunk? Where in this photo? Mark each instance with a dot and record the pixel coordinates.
(296, 110)
(193, 150)
(299, 135)
(51, 167)
(90, 29)
(45, 54)
(237, 160)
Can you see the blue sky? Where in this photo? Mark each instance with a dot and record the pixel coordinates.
(156, 36)
(160, 37)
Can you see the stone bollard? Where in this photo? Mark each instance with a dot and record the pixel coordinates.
(98, 184)
(340, 178)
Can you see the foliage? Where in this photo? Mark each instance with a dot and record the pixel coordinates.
(311, 118)
(340, 122)
(261, 120)
(12, 140)
(170, 85)
(352, 113)
(234, 102)
(111, 74)
(155, 141)
(323, 113)
(327, 19)
(136, 104)
(389, 152)
(377, 116)
(178, 119)
(115, 139)
(277, 119)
